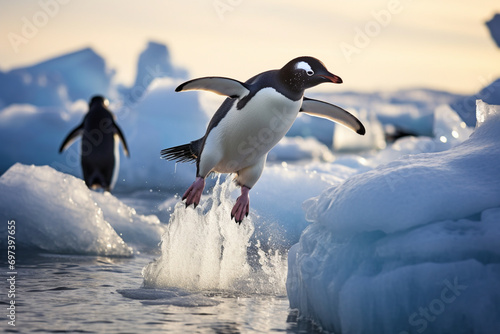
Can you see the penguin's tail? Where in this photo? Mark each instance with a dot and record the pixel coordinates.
(183, 153)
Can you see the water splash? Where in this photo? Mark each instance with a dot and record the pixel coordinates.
(203, 249)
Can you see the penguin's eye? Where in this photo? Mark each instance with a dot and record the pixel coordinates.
(302, 65)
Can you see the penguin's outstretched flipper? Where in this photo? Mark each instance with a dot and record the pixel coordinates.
(122, 138)
(219, 85)
(71, 137)
(333, 113)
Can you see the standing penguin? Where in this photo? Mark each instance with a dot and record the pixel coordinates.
(251, 121)
(100, 157)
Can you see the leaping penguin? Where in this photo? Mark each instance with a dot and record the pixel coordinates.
(100, 157)
(251, 121)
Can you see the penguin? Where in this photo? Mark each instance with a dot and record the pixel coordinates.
(100, 158)
(252, 119)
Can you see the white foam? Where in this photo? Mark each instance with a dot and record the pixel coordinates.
(203, 249)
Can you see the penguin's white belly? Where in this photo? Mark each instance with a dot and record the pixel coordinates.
(243, 136)
(116, 153)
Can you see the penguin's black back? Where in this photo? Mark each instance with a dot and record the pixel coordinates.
(98, 146)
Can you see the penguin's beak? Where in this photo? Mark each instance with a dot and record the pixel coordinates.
(329, 77)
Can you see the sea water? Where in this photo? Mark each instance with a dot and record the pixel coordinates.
(84, 294)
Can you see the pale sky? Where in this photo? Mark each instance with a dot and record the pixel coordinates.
(373, 45)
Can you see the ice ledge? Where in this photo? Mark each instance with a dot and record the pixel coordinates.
(409, 247)
(418, 189)
(485, 111)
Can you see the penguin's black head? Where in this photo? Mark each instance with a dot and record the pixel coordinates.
(306, 72)
(98, 100)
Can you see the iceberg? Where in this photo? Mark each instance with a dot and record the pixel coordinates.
(343, 141)
(56, 213)
(494, 27)
(409, 246)
(162, 118)
(490, 93)
(58, 81)
(293, 149)
(154, 62)
(466, 106)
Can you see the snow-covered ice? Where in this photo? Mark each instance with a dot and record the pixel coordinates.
(56, 212)
(408, 246)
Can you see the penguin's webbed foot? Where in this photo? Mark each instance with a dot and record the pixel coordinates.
(193, 194)
(242, 206)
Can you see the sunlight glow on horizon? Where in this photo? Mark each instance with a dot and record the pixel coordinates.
(442, 45)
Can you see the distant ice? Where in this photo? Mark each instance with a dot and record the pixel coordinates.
(161, 119)
(154, 62)
(300, 149)
(490, 93)
(57, 213)
(345, 140)
(408, 246)
(57, 82)
(449, 129)
(494, 27)
(41, 103)
(466, 107)
(409, 110)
